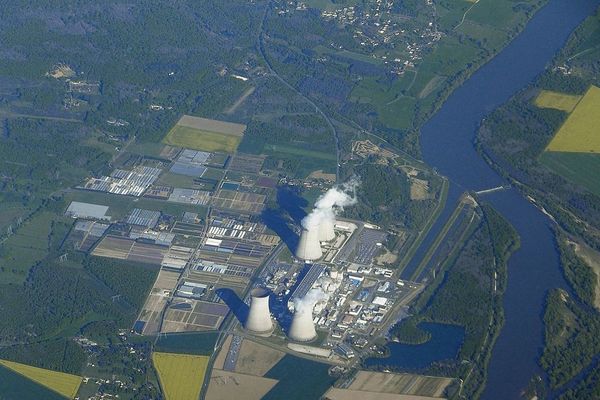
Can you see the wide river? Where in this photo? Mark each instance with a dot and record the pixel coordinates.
(447, 143)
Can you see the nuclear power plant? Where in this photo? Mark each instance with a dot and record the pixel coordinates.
(259, 318)
(309, 246)
(303, 327)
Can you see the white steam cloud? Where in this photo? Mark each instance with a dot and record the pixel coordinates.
(330, 202)
(307, 303)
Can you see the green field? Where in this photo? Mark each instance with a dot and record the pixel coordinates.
(278, 148)
(65, 384)
(579, 168)
(181, 375)
(197, 139)
(579, 133)
(556, 100)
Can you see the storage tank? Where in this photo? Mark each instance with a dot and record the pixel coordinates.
(259, 318)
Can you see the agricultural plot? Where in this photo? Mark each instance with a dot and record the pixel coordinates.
(181, 375)
(314, 383)
(85, 234)
(188, 343)
(297, 151)
(240, 201)
(556, 100)
(247, 163)
(187, 315)
(65, 384)
(129, 249)
(579, 133)
(205, 134)
(347, 394)
(148, 322)
(226, 385)
(256, 359)
(579, 168)
(408, 384)
(14, 386)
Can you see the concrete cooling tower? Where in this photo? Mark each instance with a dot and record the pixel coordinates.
(259, 318)
(309, 246)
(303, 327)
(326, 232)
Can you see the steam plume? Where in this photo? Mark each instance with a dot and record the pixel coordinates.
(330, 202)
(307, 303)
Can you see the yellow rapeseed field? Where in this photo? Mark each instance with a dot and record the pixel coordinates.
(556, 100)
(197, 139)
(581, 131)
(65, 384)
(181, 375)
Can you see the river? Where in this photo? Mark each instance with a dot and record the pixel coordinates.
(447, 144)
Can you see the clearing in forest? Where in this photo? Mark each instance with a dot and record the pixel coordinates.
(60, 382)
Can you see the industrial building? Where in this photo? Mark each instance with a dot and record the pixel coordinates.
(87, 210)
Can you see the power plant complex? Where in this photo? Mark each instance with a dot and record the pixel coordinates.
(334, 296)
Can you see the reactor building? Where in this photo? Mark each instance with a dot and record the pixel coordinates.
(259, 319)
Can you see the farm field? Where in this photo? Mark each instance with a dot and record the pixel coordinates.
(556, 100)
(347, 394)
(225, 385)
(181, 375)
(579, 133)
(205, 134)
(314, 383)
(256, 359)
(188, 343)
(14, 386)
(120, 206)
(579, 168)
(65, 384)
(409, 384)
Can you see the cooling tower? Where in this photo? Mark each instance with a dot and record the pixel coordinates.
(302, 328)
(259, 318)
(309, 247)
(326, 232)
